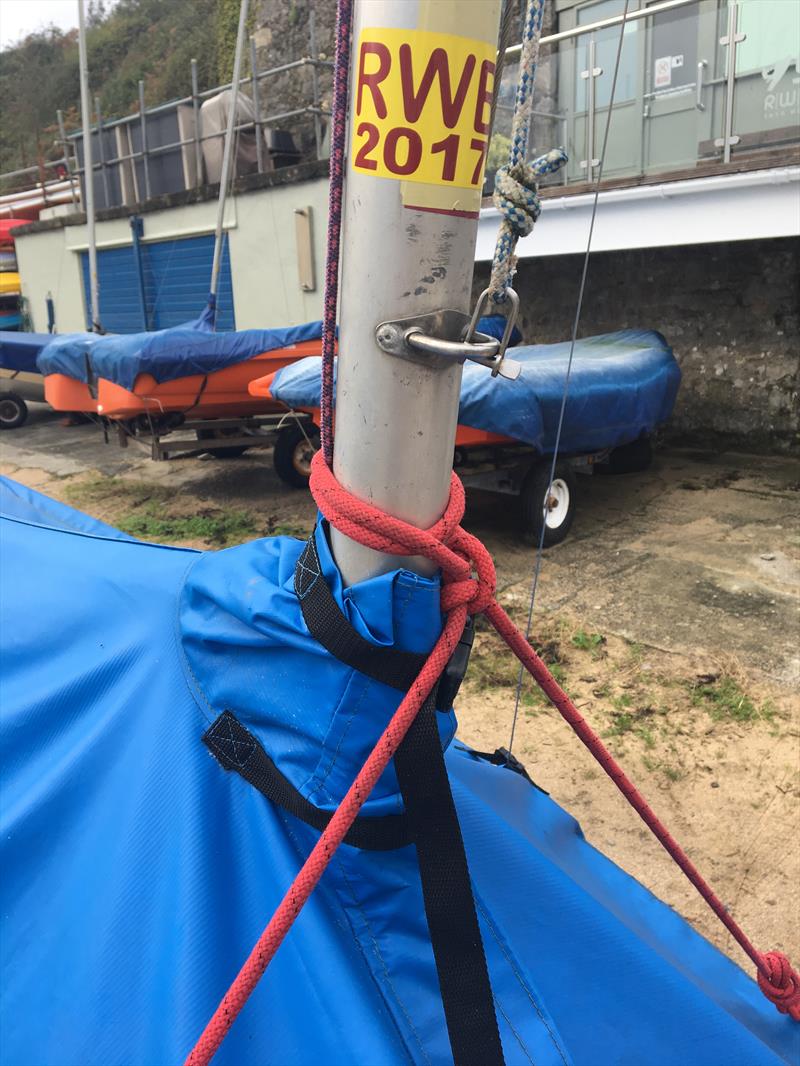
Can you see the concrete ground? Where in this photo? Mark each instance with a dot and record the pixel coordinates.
(671, 613)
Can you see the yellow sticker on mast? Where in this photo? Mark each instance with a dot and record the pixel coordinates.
(421, 103)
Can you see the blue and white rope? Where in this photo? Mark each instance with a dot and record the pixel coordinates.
(515, 192)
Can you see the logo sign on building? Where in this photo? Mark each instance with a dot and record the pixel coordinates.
(421, 107)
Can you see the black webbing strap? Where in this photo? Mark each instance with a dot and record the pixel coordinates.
(433, 821)
(447, 892)
(235, 748)
(330, 628)
(199, 395)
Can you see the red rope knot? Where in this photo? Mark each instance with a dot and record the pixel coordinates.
(475, 585)
(468, 575)
(781, 985)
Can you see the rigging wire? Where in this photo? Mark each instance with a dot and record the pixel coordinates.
(506, 30)
(575, 325)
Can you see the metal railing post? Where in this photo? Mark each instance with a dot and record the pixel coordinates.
(101, 148)
(257, 106)
(62, 134)
(312, 38)
(590, 75)
(145, 158)
(564, 122)
(730, 41)
(137, 232)
(198, 150)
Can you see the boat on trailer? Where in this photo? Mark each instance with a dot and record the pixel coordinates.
(150, 385)
(623, 387)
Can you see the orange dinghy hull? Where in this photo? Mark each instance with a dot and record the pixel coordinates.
(465, 435)
(220, 394)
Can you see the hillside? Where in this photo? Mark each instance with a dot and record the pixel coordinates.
(146, 39)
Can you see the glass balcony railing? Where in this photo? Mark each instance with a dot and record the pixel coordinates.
(703, 86)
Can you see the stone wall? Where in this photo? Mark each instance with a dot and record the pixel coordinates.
(730, 311)
(281, 31)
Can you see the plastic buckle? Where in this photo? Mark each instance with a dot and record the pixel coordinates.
(511, 762)
(456, 669)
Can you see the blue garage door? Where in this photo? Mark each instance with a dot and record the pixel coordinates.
(176, 275)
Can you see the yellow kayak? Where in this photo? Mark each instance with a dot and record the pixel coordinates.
(9, 283)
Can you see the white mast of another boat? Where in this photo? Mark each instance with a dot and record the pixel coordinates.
(88, 172)
(228, 152)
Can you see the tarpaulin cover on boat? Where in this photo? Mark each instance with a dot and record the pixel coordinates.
(621, 385)
(138, 873)
(166, 354)
(18, 351)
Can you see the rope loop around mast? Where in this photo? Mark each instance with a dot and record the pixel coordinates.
(468, 574)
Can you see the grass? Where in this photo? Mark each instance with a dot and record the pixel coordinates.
(671, 772)
(724, 699)
(221, 529)
(105, 489)
(647, 736)
(621, 723)
(491, 664)
(636, 651)
(149, 512)
(591, 642)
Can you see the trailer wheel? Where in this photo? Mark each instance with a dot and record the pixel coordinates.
(220, 434)
(294, 449)
(628, 458)
(13, 411)
(554, 508)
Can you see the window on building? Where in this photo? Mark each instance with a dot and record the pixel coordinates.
(673, 52)
(606, 43)
(772, 36)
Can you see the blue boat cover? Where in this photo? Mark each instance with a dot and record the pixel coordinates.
(137, 873)
(621, 385)
(166, 354)
(18, 351)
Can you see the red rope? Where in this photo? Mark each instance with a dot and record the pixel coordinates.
(468, 587)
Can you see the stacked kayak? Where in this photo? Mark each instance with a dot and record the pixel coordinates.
(10, 314)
